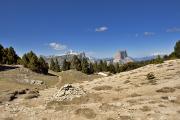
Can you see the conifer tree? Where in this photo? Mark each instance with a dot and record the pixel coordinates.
(66, 65)
(117, 68)
(91, 69)
(43, 66)
(57, 67)
(31, 61)
(76, 63)
(85, 66)
(52, 65)
(111, 68)
(1, 53)
(95, 67)
(177, 49)
(104, 66)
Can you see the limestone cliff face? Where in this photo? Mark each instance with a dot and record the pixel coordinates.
(122, 57)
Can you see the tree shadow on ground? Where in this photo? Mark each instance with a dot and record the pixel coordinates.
(7, 67)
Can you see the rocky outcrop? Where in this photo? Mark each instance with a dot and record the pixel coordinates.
(32, 82)
(68, 92)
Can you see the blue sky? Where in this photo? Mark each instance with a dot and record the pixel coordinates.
(98, 27)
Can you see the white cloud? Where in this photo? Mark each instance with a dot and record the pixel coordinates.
(174, 29)
(101, 29)
(149, 33)
(57, 46)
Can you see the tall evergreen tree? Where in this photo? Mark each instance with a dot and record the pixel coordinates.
(95, 66)
(117, 68)
(43, 66)
(66, 65)
(85, 66)
(1, 53)
(100, 66)
(111, 68)
(91, 69)
(104, 66)
(76, 63)
(177, 49)
(57, 67)
(52, 65)
(11, 56)
(31, 61)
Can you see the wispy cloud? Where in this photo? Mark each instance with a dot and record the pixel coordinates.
(57, 46)
(149, 33)
(101, 29)
(174, 29)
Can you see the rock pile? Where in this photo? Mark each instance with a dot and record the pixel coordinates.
(32, 82)
(68, 92)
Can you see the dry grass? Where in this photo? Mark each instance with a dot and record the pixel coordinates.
(61, 105)
(135, 95)
(125, 117)
(110, 119)
(104, 87)
(86, 112)
(9, 79)
(145, 109)
(107, 107)
(72, 76)
(166, 90)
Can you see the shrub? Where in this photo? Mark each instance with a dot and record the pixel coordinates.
(150, 76)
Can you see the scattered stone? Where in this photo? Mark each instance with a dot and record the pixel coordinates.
(32, 82)
(150, 76)
(166, 90)
(68, 92)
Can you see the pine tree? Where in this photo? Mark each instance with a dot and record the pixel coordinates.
(117, 68)
(31, 61)
(111, 68)
(95, 66)
(52, 65)
(76, 63)
(1, 53)
(66, 65)
(57, 67)
(100, 66)
(11, 56)
(85, 66)
(43, 66)
(177, 49)
(104, 66)
(91, 69)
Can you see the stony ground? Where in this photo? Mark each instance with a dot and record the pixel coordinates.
(125, 96)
